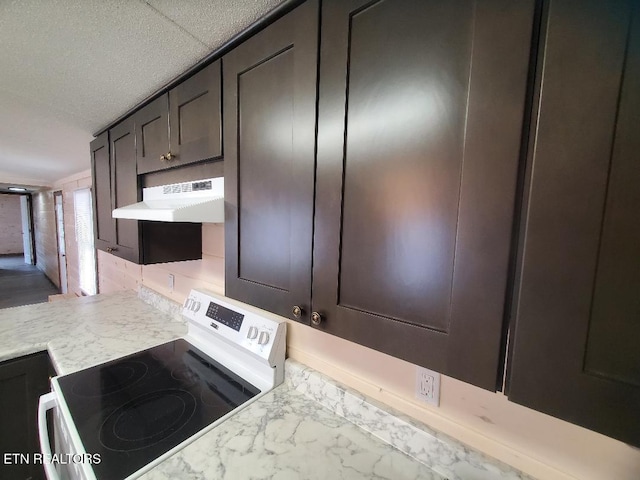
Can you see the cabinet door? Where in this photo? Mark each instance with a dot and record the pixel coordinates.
(195, 118)
(104, 224)
(22, 382)
(575, 349)
(269, 129)
(125, 187)
(420, 117)
(152, 133)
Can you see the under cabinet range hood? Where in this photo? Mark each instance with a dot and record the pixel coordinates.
(198, 201)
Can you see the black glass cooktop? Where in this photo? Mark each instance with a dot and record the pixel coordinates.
(136, 408)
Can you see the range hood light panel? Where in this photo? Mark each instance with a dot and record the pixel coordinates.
(197, 202)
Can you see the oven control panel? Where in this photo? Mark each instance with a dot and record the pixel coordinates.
(225, 316)
(249, 328)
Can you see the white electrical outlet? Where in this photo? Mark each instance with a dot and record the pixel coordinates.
(428, 386)
(172, 280)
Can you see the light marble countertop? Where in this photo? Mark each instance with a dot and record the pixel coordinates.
(308, 428)
(85, 331)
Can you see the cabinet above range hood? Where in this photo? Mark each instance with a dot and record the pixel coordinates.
(198, 201)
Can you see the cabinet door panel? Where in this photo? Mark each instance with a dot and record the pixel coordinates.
(152, 133)
(265, 93)
(22, 381)
(105, 226)
(126, 192)
(270, 93)
(420, 115)
(195, 117)
(578, 306)
(405, 111)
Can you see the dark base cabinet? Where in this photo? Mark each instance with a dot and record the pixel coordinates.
(22, 382)
(575, 351)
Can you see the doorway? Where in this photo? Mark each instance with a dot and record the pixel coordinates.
(62, 253)
(27, 230)
(83, 212)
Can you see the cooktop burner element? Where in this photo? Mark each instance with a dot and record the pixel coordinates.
(147, 420)
(185, 375)
(137, 410)
(113, 379)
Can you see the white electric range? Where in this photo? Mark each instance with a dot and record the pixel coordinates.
(119, 419)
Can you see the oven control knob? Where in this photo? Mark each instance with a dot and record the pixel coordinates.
(264, 338)
(252, 333)
(192, 304)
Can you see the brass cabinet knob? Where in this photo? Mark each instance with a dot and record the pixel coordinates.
(297, 311)
(171, 156)
(316, 318)
(109, 249)
(163, 158)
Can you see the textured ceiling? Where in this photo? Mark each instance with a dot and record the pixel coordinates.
(69, 67)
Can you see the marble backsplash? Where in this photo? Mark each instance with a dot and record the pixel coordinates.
(162, 303)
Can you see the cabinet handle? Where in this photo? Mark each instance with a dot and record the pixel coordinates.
(171, 156)
(297, 311)
(316, 318)
(109, 249)
(163, 158)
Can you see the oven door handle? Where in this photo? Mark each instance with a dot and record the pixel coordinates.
(46, 403)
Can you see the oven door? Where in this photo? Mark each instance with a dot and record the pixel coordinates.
(64, 461)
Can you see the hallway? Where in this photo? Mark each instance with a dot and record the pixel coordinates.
(22, 284)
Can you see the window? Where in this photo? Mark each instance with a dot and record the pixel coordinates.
(84, 238)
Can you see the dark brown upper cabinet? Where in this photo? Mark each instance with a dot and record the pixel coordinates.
(113, 161)
(574, 353)
(152, 130)
(183, 126)
(113, 156)
(105, 225)
(421, 107)
(269, 131)
(195, 117)
(125, 188)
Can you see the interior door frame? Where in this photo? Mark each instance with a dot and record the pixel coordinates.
(26, 212)
(63, 279)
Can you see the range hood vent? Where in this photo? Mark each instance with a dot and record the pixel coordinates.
(196, 202)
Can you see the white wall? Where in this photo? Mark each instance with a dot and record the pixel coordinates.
(44, 220)
(10, 225)
(117, 274)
